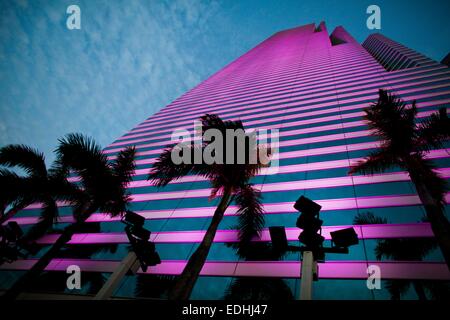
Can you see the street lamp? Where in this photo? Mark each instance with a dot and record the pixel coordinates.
(312, 239)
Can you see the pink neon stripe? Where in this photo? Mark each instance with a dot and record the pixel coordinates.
(303, 96)
(282, 186)
(347, 78)
(323, 102)
(270, 208)
(313, 82)
(412, 230)
(330, 270)
(282, 125)
(347, 81)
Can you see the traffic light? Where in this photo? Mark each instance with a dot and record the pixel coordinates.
(139, 239)
(147, 255)
(279, 239)
(309, 222)
(344, 238)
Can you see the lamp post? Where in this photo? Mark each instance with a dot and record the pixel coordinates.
(143, 254)
(312, 239)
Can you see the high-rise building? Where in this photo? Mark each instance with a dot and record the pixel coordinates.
(312, 87)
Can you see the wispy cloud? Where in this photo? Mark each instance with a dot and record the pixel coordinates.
(129, 59)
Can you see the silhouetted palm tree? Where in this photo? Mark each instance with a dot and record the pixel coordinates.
(103, 188)
(231, 181)
(404, 144)
(408, 249)
(39, 184)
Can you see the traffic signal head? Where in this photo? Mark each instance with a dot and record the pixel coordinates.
(279, 239)
(133, 219)
(344, 238)
(307, 206)
(147, 255)
(309, 223)
(311, 240)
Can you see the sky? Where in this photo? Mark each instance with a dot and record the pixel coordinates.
(131, 58)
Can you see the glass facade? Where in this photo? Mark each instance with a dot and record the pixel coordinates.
(313, 90)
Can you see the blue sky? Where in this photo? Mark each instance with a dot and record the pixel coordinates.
(131, 58)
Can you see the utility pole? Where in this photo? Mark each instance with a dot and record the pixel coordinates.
(307, 273)
(129, 263)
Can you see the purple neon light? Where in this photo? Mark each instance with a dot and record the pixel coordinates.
(412, 230)
(346, 77)
(242, 115)
(308, 121)
(312, 83)
(349, 84)
(284, 269)
(270, 208)
(250, 124)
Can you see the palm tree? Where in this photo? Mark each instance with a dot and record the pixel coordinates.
(230, 181)
(38, 185)
(404, 143)
(103, 188)
(409, 249)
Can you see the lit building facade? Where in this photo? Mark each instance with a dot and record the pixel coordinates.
(312, 87)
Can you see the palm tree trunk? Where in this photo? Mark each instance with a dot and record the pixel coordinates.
(186, 281)
(435, 214)
(419, 290)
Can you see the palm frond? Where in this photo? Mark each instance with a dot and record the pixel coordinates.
(376, 162)
(250, 214)
(24, 157)
(424, 172)
(392, 121)
(48, 216)
(124, 164)
(164, 170)
(81, 154)
(433, 131)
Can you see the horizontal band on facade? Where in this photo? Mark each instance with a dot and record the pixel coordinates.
(282, 155)
(382, 231)
(294, 168)
(357, 90)
(278, 269)
(284, 124)
(115, 147)
(347, 80)
(281, 186)
(270, 208)
(296, 86)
